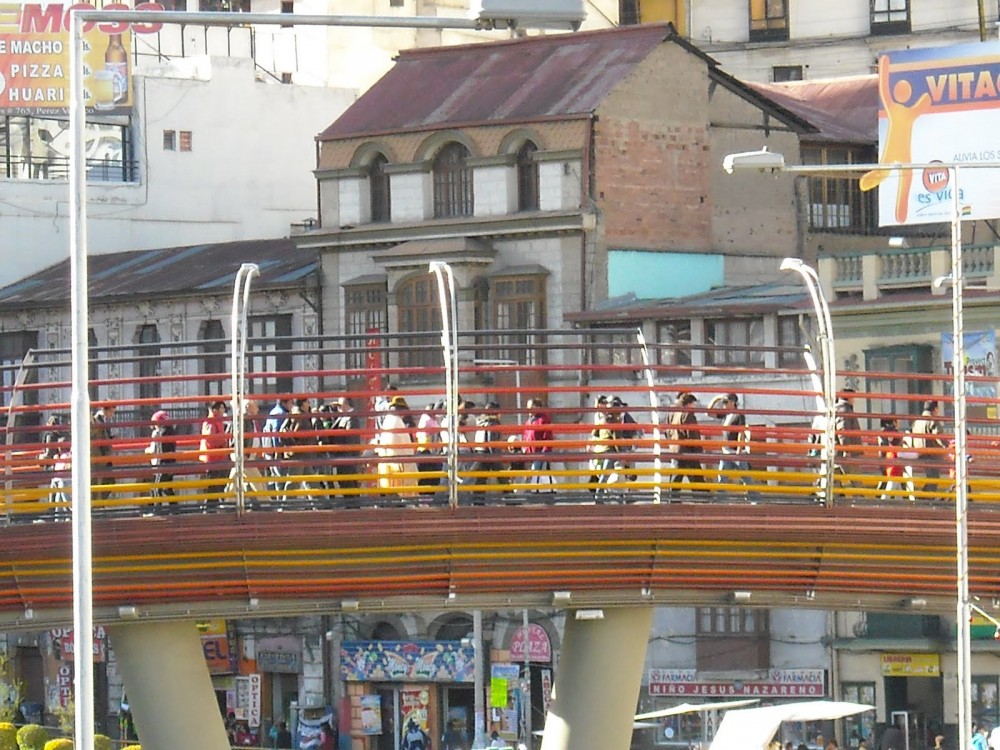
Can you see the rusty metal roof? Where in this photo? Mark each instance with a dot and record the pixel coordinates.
(168, 272)
(556, 75)
(843, 110)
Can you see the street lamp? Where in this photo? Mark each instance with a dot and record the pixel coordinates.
(829, 358)
(770, 161)
(449, 343)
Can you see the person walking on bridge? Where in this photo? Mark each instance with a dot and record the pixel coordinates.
(684, 436)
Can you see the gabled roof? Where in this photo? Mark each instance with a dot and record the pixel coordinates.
(165, 272)
(843, 110)
(519, 80)
(554, 75)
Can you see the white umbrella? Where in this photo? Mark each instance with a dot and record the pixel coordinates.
(753, 728)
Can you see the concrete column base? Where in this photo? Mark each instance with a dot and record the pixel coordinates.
(168, 686)
(597, 686)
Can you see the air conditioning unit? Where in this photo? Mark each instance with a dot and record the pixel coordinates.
(529, 14)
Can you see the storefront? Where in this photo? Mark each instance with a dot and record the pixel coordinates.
(391, 683)
(671, 687)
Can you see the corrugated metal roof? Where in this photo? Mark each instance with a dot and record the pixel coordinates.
(166, 272)
(724, 301)
(555, 75)
(843, 110)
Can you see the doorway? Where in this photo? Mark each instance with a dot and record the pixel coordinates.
(920, 702)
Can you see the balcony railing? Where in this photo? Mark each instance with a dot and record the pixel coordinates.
(874, 274)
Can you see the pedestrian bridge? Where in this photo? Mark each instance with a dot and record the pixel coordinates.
(589, 504)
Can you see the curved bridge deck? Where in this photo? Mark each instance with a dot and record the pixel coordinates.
(403, 559)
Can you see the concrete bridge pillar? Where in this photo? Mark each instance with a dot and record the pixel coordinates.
(168, 686)
(597, 686)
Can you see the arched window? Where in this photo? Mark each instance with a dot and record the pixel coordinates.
(379, 194)
(454, 628)
(385, 631)
(527, 178)
(419, 311)
(452, 182)
(213, 360)
(148, 355)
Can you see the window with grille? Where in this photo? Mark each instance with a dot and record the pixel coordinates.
(527, 178)
(735, 342)
(213, 358)
(13, 346)
(270, 353)
(674, 339)
(148, 366)
(837, 204)
(518, 307)
(628, 12)
(365, 313)
(890, 16)
(790, 342)
(887, 369)
(169, 140)
(768, 20)
(379, 194)
(610, 350)
(186, 143)
(731, 621)
(419, 311)
(452, 182)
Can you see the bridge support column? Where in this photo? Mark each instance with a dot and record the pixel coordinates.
(168, 686)
(597, 686)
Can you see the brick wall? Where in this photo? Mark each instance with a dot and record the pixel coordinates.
(651, 183)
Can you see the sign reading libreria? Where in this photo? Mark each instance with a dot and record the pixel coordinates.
(407, 661)
(938, 104)
(34, 59)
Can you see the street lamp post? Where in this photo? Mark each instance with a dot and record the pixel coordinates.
(828, 355)
(770, 161)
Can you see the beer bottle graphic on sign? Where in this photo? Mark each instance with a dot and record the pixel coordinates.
(116, 63)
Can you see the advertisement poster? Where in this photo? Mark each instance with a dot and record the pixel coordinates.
(980, 361)
(307, 729)
(371, 714)
(217, 638)
(407, 661)
(938, 104)
(34, 59)
(413, 704)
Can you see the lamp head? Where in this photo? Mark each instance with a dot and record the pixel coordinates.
(791, 264)
(762, 161)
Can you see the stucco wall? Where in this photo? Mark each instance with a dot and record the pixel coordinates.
(248, 175)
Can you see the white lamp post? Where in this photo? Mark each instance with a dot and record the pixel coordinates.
(770, 161)
(829, 382)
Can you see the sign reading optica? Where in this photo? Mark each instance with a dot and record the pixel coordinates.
(34, 59)
(938, 104)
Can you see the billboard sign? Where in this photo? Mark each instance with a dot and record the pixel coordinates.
(938, 104)
(34, 59)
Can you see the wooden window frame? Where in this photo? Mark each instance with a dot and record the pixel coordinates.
(889, 17)
(379, 190)
(528, 186)
(452, 178)
(768, 20)
(366, 312)
(419, 312)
